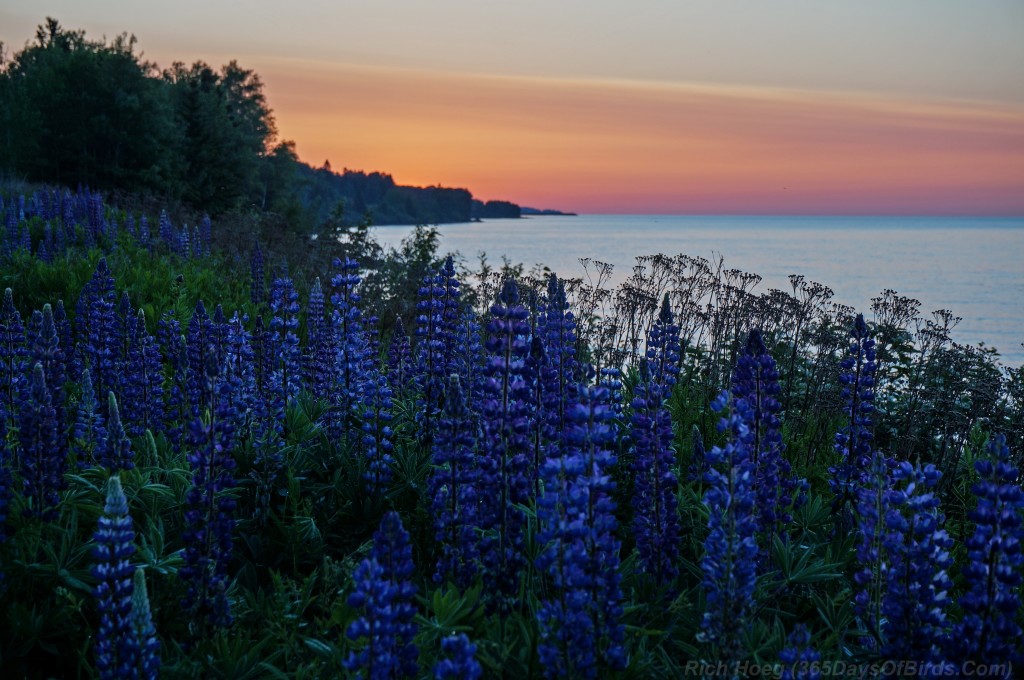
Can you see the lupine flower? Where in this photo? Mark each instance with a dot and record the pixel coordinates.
(12, 356)
(257, 286)
(915, 600)
(95, 319)
(989, 632)
(436, 319)
(730, 550)
(349, 347)
(208, 540)
(73, 370)
(166, 230)
(143, 381)
(43, 463)
(198, 345)
(853, 442)
(756, 379)
(504, 470)
(799, 657)
(375, 404)
(580, 624)
(146, 643)
(558, 368)
(318, 355)
(453, 489)
(655, 518)
(175, 361)
(124, 329)
(116, 454)
(116, 645)
(286, 376)
(459, 663)
(400, 364)
(384, 594)
(45, 348)
(88, 430)
(698, 462)
(873, 514)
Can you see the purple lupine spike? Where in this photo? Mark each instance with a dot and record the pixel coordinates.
(88, 431)
(205, 233)
(73, 369)
(655, 518)
(559, 372)
(197, 244)
(209, 522)
(349, 347)
(376, 405)
(730, 549)
(459, 662)
(799, 658)
(95, 324)
(198, 343)
(453, 488)
(286, 376)
(183, 244)
(989, 632)
(505, 482)
(853, 443)
(143, 381)
(581, 624)
(42, 463)
(116, 648)
(436, 320)
(400, 363)
(117, 453)
(915, 599)
(756, 379)
(143, 632)
(166, 230)
(174, 352)
(317, 359)
(145, 238)
(47, 350)
(124, 328)
(384, 594)
(257, 285)
(13, 354)
(874, 508)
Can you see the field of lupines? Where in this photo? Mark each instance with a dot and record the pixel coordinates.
(205, 476)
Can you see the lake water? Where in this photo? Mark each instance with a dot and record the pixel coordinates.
(973, 266)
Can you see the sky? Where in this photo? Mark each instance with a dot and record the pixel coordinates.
(646, 106)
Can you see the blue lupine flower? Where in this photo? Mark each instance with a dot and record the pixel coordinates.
(698, 462)
(257, 285)
(756, 379)
(143, 382)
(88, 431)
(663, 349)
(375, 404)
(175, 360)
(385, 594)
(436, 319)
(318, 345)
(116, 645)
(43, 462)
(198, 343)
(557, 371)
(95, 323)
(45, 348)
(453, 488)
(116, 454)
(208, 540)
(655, 519)
(286, 376)
(799, 657)
(166, 229)
(12, 356)
(873, 523)
(143, 632)
(459, 663)
(400, 364)
(730, 550)
(124, 329)
(505, 483)
(915, 600)
(73, 370)
(853, 442)
(989, 632)
(349, 346)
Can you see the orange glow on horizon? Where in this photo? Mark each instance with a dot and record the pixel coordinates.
(616, 146)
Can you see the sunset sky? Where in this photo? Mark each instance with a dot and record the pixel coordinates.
(656, 106)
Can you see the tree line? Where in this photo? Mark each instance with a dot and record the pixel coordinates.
(78, 111)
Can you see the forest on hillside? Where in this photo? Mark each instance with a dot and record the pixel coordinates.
(81, 112)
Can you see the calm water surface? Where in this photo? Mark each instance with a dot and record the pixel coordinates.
(970, 265)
